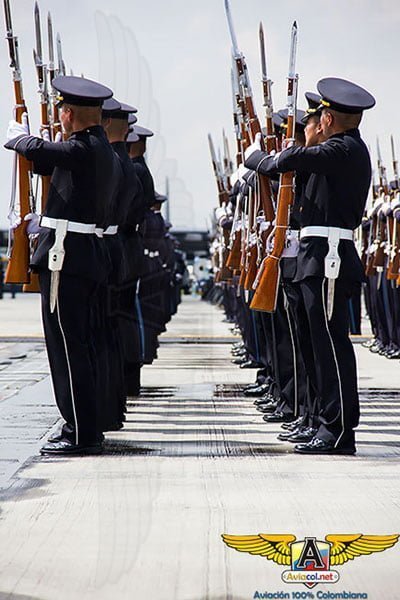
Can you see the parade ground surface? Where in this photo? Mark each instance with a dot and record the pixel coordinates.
(194, 461)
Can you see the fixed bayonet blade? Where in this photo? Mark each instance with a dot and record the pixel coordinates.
(7, 13)
(61, 64)
(378, 151)
(293, 50)
(50, 42)
(12, 42)
(393, 150)
(262, 53)
(235, 47)
(38, 34)
(212, 150)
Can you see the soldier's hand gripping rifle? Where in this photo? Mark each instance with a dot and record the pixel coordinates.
(267, 282)
(18, 265)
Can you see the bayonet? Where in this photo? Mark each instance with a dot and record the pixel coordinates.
(61, 64)
(292, 82)
(235, 47)
(38, 33)
(51, 46)
(395, 164)
(12, 43)
(38, 54)
(262, 53)
(381, 169)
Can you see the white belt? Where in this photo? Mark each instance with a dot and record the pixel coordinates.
(71, 225)
(332, 259)
(326, 232)
(111, 230)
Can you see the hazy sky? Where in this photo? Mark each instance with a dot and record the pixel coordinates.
(173, 58)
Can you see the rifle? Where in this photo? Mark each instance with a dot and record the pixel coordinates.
(264, 190)
(55, 117)
(270, 143)
(18, 265)
(394, 226)
(267, 281)
(252, 127)
(223, 196)
(381, 234)
(41, 70)
(222, 193)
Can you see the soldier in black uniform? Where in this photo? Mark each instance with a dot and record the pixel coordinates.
(126, 251)
(331, 208)
(84, 171)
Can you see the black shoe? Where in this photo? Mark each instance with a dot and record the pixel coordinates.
(249, 364)
(293, 425)
(239, 352)
(240, 360)
(376, 347)
(64, 448)
(59, 437)
(285, 435)
(251, 386)
(257, 391)
(265, 399)
(301, 435)
(268, 407)
(318, 446)
(278, 417)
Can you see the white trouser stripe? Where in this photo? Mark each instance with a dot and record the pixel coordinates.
(69, 373)
(336, 363)
(286, 304)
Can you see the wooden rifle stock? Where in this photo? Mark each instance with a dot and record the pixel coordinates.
(18, 265)
(379, 259)
(252, 267)
(394, 265)
(266, 293)
(233, 260)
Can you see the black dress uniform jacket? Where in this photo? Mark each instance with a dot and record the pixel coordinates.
(146, 179)
(84, 171)
(335, 196)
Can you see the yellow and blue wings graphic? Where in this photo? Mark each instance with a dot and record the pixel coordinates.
(347, 547)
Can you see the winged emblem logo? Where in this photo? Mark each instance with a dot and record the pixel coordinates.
(310, 560)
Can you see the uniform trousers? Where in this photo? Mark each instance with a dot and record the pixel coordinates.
(71, 355)
(329, 358)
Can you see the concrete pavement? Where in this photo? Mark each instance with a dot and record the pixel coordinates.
(194, 460)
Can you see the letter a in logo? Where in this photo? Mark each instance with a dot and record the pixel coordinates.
(310, 556)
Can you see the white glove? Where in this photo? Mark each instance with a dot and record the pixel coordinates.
(45, 135)
(16, 129)
(219, 213)
(15, 221)
(255, 146)
(287, 143)
(33, 223)
(242, 172)
(233, 178)
(59, 137)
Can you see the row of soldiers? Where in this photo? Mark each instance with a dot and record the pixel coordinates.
(108, 267)
(287, 346)
(287, 258)
(380, 245)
